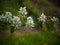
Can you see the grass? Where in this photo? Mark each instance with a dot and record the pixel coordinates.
(42, 38)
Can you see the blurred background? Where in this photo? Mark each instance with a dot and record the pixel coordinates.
(34, 7)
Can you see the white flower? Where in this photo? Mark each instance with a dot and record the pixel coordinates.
(42, 18)
(30, 22)
(23, 10)
(16, 22)
(54, 19)
(8, 16)
(11, 20)
(2, 17)
(16, 18)
(8, 13)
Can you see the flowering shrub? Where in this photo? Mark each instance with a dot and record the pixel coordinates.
(23, 11)
(47, 22)
(54, 19)
(23, 15)
(8, 15)
(42, 18)
(6, 18)
(15, 22)
(12, 21)
(30, 22)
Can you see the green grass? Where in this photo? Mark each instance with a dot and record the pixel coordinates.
(42, 38)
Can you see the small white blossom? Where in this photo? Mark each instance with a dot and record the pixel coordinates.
(8, 16)
(16, 22)
(42, 18)
(8, 13)
(30, 22)
(2, 17)
(54, 19)
(23, 10)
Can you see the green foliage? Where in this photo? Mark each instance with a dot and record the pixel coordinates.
(31, 7)
(44, 27)
(6, 26)
(42, 38)
(3, 26)
(49, 24)
(12, 29)
(59, 25)
(9, 5)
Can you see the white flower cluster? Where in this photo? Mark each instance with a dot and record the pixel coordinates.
(54, 19)
(15, 21)
(42, 18)
(2, 17)
(30, 22)
(23, 11)
(9, 18)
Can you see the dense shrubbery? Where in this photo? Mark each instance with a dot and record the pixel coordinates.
(15, 22)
